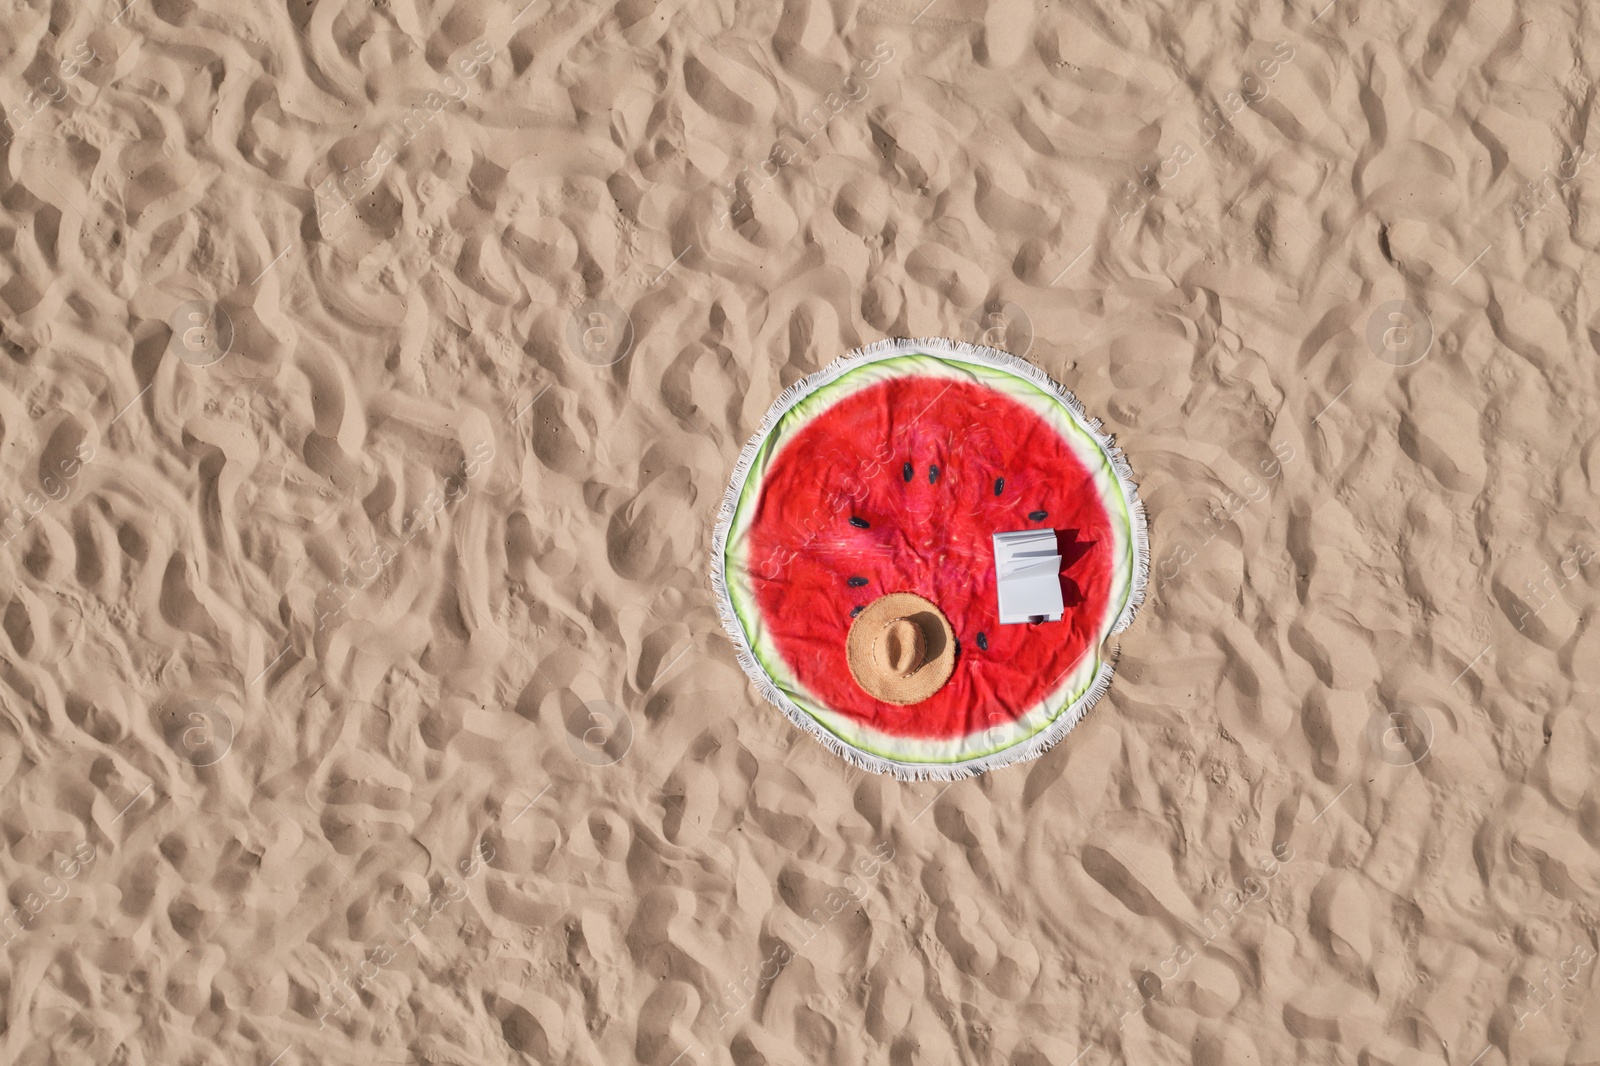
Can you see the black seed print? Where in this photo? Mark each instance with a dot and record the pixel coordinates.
(933, 474)
(983, 642)
(856, 582)
(857, 610)
(999, 485)
(860, 523)
(907, 472)
(1033, 516)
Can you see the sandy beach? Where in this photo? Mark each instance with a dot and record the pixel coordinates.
(371, 376)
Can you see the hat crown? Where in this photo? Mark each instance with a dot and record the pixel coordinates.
(901, 647)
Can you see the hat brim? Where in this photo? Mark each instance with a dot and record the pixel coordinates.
(940, 655)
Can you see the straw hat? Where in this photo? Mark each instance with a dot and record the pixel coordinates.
(901, 649)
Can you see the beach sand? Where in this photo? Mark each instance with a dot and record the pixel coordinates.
(371, 377)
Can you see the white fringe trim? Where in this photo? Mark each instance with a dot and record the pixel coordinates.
(959, 351)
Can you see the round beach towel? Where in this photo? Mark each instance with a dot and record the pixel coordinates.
(890, 472)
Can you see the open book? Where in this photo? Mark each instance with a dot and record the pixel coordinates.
(1028, 576)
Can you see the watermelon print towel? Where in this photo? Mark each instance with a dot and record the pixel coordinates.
(890, 471)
